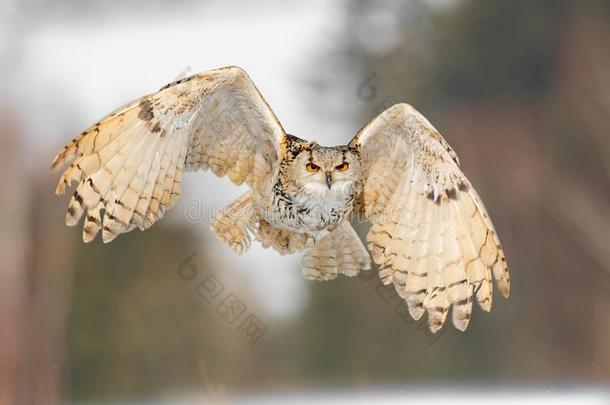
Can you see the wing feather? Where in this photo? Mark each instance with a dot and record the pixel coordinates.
(128, 188)
(129, 165)
(416, 265)
(119, 202)
(456, 281)
(139, 216)
(444, 249)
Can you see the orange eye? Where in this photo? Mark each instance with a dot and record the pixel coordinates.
(342, 167)
(311, 168)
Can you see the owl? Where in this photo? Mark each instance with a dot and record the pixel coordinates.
(431, 236)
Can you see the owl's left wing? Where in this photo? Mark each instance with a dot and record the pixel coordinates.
(431, 234)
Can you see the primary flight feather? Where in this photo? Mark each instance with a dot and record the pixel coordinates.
(431, 235)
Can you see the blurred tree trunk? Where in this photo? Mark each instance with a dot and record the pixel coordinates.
(13, 279)
(32, 284)
(584, 91)
(584, 87)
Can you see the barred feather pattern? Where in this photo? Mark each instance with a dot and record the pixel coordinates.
(431, 235)
(236, 223)
(283, 241)
(128, 166)
(339, 252)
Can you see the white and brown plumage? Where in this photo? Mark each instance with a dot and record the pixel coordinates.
(430, 234)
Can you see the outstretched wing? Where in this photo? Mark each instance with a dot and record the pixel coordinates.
(129, 164)
(431, 234)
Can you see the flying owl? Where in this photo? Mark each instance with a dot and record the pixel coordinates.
(431, 235)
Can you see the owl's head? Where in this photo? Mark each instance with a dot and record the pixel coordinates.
(326, 171)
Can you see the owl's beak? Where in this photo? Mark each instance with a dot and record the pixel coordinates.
(329, 179)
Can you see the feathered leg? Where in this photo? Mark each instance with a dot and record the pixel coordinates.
(235, 223)
(341, 251)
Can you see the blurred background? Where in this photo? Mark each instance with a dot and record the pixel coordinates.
(520, 89)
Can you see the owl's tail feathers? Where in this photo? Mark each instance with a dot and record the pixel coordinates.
(340, 252)
(235, 223)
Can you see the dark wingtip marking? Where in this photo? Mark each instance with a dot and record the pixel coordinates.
(455, 283)
(93, 219)
(436, 323)
(78, 198)
(442, 310)
(156, 128)
(451, 194)
(430, 195)
(146, 110)
(463, 186)
(113, 218)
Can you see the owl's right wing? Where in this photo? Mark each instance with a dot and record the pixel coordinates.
(129, 164)
(431, 234)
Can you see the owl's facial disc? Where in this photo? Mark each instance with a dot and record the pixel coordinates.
(324, 171)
